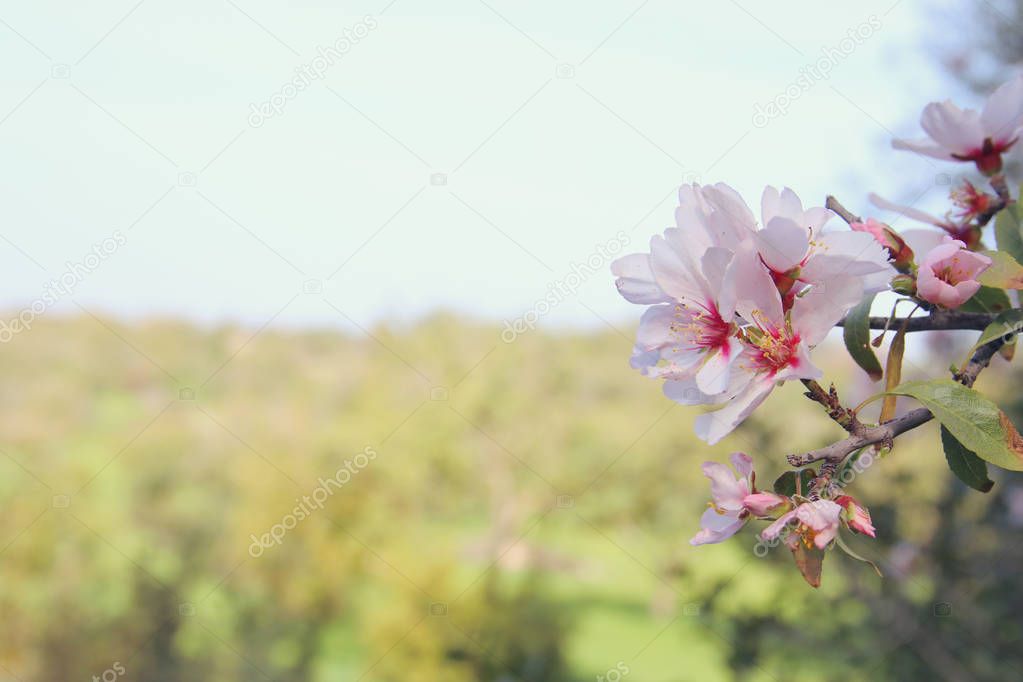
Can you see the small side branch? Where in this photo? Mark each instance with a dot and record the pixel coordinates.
(845, 214)
(888, 431)
(841, 415)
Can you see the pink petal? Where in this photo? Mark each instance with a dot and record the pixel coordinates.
(726, 491)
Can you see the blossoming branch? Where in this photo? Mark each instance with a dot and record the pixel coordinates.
(736, 306)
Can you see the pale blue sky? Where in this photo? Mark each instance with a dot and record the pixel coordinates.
(115, 108)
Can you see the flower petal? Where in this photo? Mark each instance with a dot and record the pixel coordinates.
(715, 375)
(714, 426)
(957, 130)
(1003, 113)
(815, 313)
(782, 244)
(725, 489)
(716, 527)
(636, 280)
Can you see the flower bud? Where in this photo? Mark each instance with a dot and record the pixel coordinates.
(898, 250)
(856, 516)
(904, 284)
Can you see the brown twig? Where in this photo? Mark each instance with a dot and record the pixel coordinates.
(845, 214)
(886, 432)
(939, 319)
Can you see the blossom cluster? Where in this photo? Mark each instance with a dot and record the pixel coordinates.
(737, 302)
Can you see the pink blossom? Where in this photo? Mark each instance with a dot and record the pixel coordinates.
(797, 251)
(815, 523)
(776, 343)
(855, 515)
(726, 514)
(689, 332)
(968, 135)
(948, 272)
(735, 500)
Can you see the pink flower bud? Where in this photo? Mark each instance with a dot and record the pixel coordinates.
(855, 515)
(901, 254)
(948, 274)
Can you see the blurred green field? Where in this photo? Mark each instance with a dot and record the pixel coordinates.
(526, 517)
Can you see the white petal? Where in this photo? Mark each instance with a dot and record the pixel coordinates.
(716, 529)
(845, 253)
(715, 267)
(815, 313)
(755, 291)
(907, 211)
(715, 375)
(675, 272)
(1003, 113)
(636, 279)
(782, 244)
(958, 130)
(922, 241)
(925, 147)
(655, 327)
(714, 426)
(685, 392)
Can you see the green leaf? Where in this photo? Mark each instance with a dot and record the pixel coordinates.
(965, 464)
(1008, 323)
(848, 550)
(856, 333)
(987, 300)
(1005, 272)
(786, 483)
(1009, 232)
(893, 373)
(975, 421)
(810, 562)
